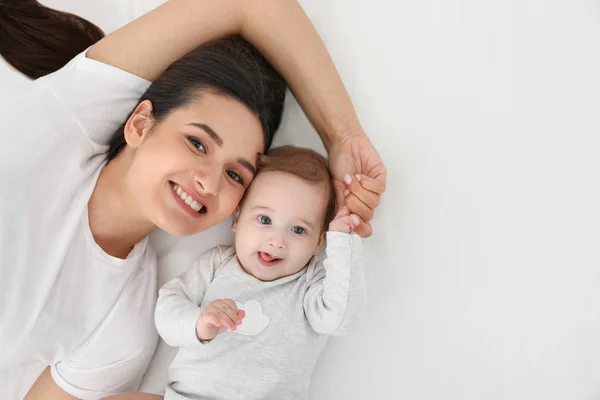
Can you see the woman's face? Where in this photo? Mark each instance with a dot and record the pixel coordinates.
(190, 171)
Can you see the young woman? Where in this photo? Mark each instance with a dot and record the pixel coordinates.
(82, 190)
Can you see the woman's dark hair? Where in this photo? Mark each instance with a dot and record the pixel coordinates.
(230, 67)
(37, 40)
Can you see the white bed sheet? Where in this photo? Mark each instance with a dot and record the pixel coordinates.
(485, 268)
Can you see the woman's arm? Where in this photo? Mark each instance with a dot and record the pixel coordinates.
(278, 28)
(44, 388)
(284, 34)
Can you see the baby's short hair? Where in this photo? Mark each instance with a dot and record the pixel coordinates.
(307, 165)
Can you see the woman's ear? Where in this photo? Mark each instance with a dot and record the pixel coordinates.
(139, 123)
(236, 216)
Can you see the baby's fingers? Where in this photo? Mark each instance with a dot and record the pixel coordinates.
(228, 306)
(226, 320)
(211, 318)
(342, 212)
(227, 315)
(345, 224)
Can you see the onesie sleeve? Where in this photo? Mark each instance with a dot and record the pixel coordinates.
(178, 306)
(336, 299)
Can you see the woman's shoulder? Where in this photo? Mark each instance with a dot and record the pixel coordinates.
(98, 96)
(78, 107)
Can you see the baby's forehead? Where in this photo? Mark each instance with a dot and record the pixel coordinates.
(285, 192)
(281, 184)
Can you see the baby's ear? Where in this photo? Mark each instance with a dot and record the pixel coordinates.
(236, 216)
(321, 240)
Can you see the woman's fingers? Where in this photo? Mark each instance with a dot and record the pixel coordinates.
(363, 229)
(359, 186)
(373, 185)
(356, 206)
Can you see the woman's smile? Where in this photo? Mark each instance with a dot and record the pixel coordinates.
(189, 202)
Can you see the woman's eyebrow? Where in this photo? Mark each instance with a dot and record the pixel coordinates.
(247, 164)
(214, 136)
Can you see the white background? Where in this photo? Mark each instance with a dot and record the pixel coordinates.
(485, 267)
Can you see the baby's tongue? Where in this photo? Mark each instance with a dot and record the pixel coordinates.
(267, 257)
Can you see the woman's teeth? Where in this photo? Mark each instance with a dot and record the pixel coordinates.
(194, 205)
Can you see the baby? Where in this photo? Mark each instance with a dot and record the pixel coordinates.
(251, 320)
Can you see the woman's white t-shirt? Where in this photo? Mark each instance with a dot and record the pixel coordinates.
(63, 300)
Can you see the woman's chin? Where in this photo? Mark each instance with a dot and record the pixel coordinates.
(179, 228)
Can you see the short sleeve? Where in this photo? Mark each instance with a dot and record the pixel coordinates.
(99, 97)
(102, 381)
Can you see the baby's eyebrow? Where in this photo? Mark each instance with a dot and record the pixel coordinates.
(262, 208)
(311, 226)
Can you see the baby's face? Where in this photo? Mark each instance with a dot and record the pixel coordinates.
(279, 226)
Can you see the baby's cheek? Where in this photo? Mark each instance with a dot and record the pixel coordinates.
(305, 257)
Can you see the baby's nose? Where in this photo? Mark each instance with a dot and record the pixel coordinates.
(276, 242)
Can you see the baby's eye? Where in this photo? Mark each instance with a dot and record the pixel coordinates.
(298, 230)
(263, 219)
(197, 144)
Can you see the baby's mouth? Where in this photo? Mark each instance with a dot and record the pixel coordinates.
(267, 260)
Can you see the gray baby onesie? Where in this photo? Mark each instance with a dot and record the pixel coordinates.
(273, 352)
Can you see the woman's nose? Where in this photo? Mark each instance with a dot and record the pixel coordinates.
(209, 182)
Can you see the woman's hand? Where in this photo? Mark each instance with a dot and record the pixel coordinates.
(359, 178)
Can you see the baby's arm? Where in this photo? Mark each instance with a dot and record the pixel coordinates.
(178, 306)
(336, 300)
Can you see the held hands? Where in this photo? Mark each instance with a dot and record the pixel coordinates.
(359, 178)
(217, 317)
(344, 221)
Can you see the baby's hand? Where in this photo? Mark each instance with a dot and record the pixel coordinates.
(344, 221)
(217, 317)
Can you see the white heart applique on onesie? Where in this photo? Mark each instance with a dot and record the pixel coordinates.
(254, 322)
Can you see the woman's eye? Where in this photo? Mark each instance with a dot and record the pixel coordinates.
(236, 177)
(298, 230)
(197, 144)
(263, 219)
